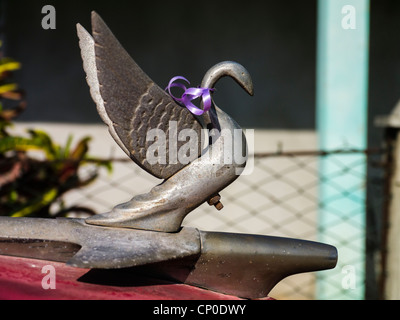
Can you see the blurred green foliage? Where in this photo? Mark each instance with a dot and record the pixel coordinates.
(30, 185)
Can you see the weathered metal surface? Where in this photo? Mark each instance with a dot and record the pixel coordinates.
(100, 247)
(247, 266)
(243, 265)
(251, 265)
(131, 104)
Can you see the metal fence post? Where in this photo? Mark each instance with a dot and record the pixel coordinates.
(342, 81)
(390, 279)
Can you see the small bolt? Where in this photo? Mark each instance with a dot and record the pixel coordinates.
(215, 201)
(219, 206)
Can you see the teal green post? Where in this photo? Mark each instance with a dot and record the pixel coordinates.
(342, 86)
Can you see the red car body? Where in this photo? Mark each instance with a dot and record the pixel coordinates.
(22, 279)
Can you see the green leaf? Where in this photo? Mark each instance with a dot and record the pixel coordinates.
(81, 149)
(39, 141)
(7, 87)
(41, 202)
(44, 141)
(13, 196)
(18, 143)
(67, 147)
(8, 64)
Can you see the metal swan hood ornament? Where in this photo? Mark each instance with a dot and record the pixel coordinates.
(145, 234)
(131, 104)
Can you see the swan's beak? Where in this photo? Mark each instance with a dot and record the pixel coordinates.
(232, 69)
(243, 78)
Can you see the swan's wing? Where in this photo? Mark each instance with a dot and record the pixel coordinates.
(130, 103)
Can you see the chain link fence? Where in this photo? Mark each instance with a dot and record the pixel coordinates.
(280, 198)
